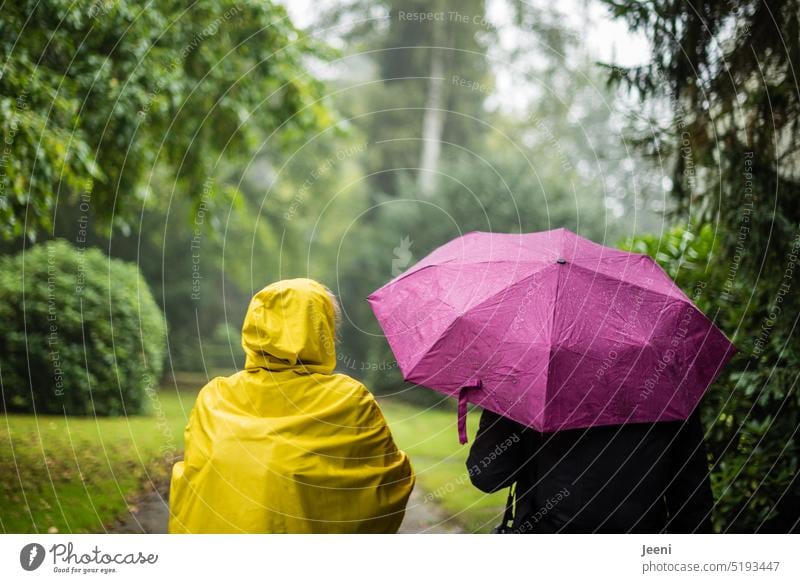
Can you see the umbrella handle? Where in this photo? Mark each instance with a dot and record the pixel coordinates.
(462, 410)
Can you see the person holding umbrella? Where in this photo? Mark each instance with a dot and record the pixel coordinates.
(589, 363)
(642, 477)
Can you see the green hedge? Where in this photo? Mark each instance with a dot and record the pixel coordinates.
(752, 411)
(82, 334)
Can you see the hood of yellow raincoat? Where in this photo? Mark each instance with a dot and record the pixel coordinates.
(290, 324)
(287, 445)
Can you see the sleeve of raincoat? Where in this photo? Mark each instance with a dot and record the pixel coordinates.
(498, 453)
(397, 477)
(689, 498)
(179, 491)
(195, 451)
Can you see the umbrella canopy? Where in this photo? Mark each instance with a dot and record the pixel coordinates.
(551, 330)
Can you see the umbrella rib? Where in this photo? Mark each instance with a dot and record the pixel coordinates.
(409, 273)
(478, 305)
(550, 350)
(600, 274)
(401, 277)
(552, 332)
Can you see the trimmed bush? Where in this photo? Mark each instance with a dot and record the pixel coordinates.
(82, 334)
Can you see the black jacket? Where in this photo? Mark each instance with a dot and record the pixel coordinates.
(645, 477)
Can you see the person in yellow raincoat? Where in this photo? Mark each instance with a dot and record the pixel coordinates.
(286, 445)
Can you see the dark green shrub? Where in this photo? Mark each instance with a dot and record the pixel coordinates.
(82, 334)
(752, 411)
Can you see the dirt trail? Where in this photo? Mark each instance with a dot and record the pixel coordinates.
(150, 514)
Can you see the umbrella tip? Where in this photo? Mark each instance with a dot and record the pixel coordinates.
(561, 260)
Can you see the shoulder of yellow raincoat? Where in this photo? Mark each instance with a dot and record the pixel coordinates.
(285, 445)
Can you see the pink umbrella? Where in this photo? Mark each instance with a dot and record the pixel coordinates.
(551, 330)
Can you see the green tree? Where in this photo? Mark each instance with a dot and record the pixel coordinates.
(95, 93)
(413, 105)
(724, 106)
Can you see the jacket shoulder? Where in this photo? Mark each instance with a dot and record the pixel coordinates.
(212, 392)
(359, 397)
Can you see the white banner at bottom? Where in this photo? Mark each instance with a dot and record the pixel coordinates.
(399, 558)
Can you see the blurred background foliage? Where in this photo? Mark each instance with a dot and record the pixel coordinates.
(95, 94)
(223, 147)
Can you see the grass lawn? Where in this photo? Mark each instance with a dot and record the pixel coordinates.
(430, 438)
(76, 474)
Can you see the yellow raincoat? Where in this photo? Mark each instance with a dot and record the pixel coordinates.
(286, 445)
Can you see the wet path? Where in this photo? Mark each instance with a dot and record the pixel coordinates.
(150, 514)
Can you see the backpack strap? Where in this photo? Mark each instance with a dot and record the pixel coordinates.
(508, 517)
